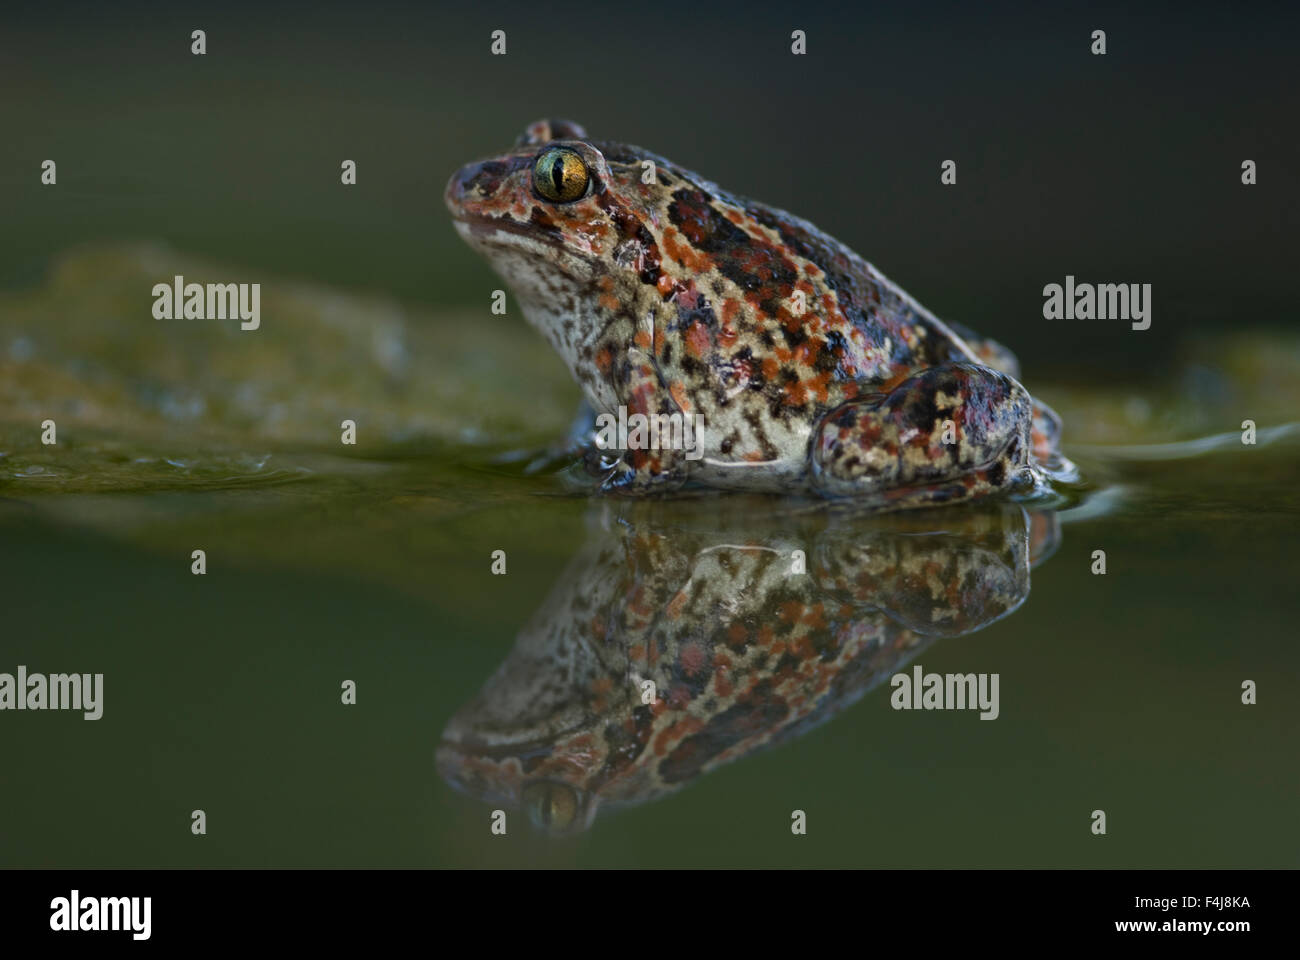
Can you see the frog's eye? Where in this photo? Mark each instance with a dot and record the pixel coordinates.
(560, 175)
(551, 806)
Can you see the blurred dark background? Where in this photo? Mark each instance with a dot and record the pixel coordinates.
(1117, 168)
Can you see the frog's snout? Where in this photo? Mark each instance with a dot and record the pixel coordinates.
(458, 187)
(474, 185)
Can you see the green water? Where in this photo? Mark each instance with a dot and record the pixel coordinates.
(222, 691)
(326, 563)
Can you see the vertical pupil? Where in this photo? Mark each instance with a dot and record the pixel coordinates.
(557, 174)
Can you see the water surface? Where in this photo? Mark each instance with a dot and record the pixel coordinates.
(373, 564)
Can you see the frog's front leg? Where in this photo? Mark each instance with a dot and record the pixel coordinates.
(576, 441)
(951, 432)
(642, 468)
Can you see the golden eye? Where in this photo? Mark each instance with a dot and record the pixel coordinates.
(551, 806)
(561, 175)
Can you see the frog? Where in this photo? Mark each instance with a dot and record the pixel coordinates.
(675, 644)
(810, 372)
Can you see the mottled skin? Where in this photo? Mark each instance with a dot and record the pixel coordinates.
(744, 651)
(813, 372)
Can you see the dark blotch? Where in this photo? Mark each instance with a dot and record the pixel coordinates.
(630, 228)
(754, 266)
(760, 711)
(544, 223)
(487, 178)
(997, 473)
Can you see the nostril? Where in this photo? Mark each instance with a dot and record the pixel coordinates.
(481, 180)
(456, 185)
(461, 186)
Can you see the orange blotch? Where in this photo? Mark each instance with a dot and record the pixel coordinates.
(697, 340)
(816, 617)
(900, 374)
(790, 611)
(682, 728)
(682, 253)
(722, 684)
(820, 386)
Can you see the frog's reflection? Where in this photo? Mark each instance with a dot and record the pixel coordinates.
(747, 643)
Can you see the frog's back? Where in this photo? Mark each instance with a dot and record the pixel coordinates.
(820, 310)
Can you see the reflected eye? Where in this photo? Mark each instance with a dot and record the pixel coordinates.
(551, 806)
(561, 175)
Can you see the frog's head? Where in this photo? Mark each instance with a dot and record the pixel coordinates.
(535, 212)
(576, 227)
(553, 805)
(558, 207)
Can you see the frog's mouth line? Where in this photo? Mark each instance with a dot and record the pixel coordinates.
(496, 238)
(483, 228)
